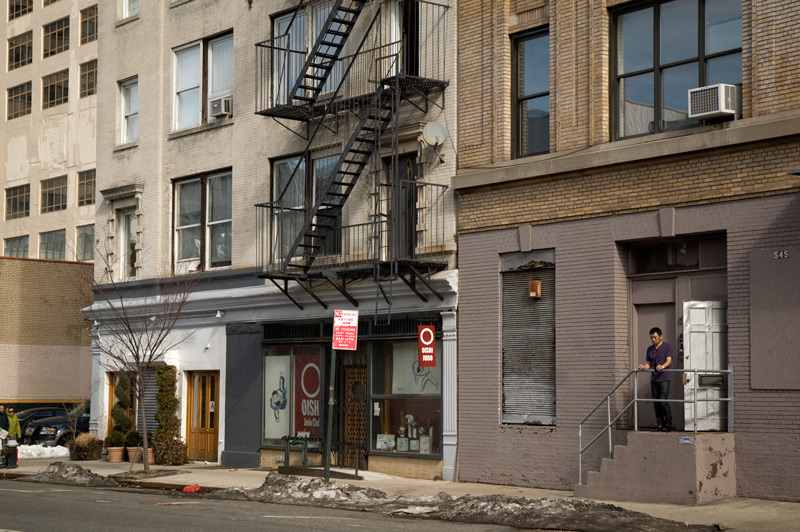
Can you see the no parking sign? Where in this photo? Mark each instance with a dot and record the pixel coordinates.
(426, 339)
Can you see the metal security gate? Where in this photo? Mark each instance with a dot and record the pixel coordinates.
(529, 369)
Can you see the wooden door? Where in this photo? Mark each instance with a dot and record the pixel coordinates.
(202, 415)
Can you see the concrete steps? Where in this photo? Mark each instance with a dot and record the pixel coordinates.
(672, 467)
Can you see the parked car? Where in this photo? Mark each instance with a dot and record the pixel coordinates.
(54, 431)
(35, 414)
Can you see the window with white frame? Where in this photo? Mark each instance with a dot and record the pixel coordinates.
(130, 8)
(198, 89)
(84, 243)
(203, 222)
(130, 110)
(128, 248)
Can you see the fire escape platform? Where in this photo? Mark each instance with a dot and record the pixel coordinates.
(408, 86)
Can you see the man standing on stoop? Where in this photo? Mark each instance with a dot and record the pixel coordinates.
(659, 357)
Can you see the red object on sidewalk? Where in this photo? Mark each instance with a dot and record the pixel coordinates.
(194, 488)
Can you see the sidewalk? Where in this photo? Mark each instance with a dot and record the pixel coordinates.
(738, 515)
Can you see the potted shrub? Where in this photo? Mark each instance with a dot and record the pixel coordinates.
(87, 446)
(115, 444)
(133, 442)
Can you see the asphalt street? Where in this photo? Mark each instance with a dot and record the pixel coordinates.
(41, 507)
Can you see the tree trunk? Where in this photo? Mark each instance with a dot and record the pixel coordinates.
(144, 420)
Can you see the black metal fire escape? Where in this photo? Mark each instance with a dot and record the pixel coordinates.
(371, 86)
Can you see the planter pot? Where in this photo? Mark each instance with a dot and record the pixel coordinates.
(134, 454)
(114, 454)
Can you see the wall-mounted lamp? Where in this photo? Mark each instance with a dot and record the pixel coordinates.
(535, 289)
(220, 313)
(96, 323)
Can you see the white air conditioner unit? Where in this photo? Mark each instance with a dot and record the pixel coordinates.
(714, 101)
(220, 107)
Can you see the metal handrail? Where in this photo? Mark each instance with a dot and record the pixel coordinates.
(635, 404)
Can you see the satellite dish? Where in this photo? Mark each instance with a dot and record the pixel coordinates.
(433, 134)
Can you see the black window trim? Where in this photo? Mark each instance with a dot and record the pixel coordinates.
(701, 58)
(516, 99)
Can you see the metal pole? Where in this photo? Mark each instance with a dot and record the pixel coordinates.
(580, 454)
(730, 398)
(608, 428)
(694, 386)
(636, 400)
(331, 402)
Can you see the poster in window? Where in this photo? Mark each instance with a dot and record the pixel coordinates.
(307, 396)
(277, 387)
(408, 377)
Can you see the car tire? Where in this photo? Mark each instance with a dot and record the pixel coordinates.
(64, 438)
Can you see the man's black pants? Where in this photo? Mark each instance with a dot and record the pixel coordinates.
(660, 390)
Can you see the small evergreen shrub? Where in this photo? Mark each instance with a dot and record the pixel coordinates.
(115, 439)
(133, 439)
(169, 448)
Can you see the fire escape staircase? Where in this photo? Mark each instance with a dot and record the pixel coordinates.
(327, 49)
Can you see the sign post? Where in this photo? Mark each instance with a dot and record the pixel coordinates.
(345, 336)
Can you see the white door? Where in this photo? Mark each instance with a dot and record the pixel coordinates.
(705, 333)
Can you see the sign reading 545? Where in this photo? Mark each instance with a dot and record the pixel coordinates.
(782, 254)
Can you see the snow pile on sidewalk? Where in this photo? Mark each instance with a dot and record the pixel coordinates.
(561, 514)
(71, 475)
(31, 452)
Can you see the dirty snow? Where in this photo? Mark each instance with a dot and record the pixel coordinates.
(69, 474)
(562, 514)
(31, 452)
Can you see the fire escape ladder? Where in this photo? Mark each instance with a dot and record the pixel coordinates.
(326, 51)
(333, 193)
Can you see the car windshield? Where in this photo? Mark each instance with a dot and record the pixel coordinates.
(26, 413)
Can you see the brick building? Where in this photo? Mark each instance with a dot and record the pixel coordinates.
(581, 169)
(344, 90)
(44, 343)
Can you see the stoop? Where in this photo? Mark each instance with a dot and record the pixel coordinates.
(672, 467)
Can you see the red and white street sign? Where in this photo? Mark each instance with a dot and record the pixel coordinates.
(345, 329)
(426, 339)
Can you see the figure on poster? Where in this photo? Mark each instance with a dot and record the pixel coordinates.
(278, 399)
(423, 376)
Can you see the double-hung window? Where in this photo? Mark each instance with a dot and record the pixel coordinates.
(292, 43)
(665, 48)
(195, 85)
(130, 8)
(130, 110)
(84, 248)
(86, 187)
(203, 222)
(89, 24)
(89, 78)
(55, 89)
(532, 94)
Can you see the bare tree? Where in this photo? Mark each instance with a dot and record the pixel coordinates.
(135, 327)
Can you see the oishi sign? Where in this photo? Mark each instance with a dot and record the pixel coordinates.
(345, 329)
(426, 339)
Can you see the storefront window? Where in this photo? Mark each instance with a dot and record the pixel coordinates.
(292, 392)
(406, 400)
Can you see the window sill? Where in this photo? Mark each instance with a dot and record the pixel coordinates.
(199, 129)
(126, 146)
(126, 20)
(176, 3)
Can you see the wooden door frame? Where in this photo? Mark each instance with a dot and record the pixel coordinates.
(190, 406)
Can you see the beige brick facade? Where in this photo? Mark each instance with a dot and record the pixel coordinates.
(44, 339)
(592, 195)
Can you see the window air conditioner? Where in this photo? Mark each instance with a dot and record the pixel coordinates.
(220, 107)
(714, 101)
